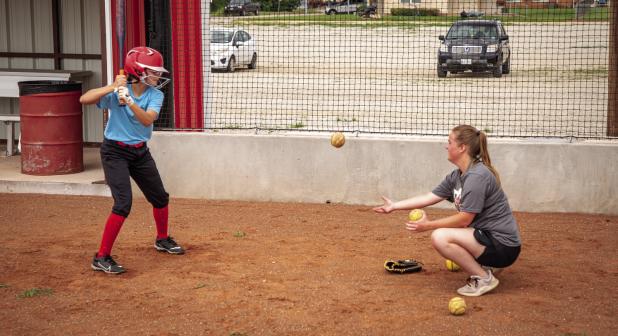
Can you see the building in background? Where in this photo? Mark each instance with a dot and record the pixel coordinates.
(78, 36)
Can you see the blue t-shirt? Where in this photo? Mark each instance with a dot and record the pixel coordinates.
(122, 124)
(477, 191)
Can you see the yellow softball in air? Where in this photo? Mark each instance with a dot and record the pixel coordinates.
(337, 139)
(457, 306)
(416, 214)
(451, 266)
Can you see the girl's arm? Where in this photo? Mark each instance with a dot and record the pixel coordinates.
(94, 95)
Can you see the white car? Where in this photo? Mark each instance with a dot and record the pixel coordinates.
(230, 48)
(343, 7)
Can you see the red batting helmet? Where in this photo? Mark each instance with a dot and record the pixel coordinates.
(140, 58)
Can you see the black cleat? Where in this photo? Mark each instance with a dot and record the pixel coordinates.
(107, 265)
(168, 245)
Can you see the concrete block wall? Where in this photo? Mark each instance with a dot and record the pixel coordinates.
(537, 175)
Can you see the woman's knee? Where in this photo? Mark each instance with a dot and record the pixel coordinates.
(439, 238)
(444, 236)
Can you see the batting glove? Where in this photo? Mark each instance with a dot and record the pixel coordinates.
(123, 94)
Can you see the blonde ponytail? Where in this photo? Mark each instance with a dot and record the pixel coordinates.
(476, 141)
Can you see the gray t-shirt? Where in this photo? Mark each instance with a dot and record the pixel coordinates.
(477, 191)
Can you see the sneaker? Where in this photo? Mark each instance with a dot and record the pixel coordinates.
(478, 286)
(168, 245)
(107, 265)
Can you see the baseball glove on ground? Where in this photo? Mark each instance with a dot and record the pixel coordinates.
(403, 266)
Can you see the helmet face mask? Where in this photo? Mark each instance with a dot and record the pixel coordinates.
(154, 78)
(146, 64)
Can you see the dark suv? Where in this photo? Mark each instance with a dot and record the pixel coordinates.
(476, 45)
(241, 7)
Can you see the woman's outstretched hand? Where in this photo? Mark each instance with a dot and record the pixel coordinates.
(387, 207)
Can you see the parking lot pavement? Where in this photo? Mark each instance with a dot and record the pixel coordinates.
(385, 80)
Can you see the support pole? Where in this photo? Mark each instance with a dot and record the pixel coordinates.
(612, 80)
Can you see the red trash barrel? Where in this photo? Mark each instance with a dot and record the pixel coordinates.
(51, 127)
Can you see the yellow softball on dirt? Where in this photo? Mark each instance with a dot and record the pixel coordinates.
(451, 266)
(457, 306)
(416, 214)
(337, 139)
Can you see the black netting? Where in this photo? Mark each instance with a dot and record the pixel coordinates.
(158, 37)
(318, 68)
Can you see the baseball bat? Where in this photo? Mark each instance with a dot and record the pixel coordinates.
(120, 33)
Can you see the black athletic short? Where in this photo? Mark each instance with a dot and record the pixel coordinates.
(496, 254)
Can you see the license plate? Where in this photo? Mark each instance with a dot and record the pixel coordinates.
(466, 61)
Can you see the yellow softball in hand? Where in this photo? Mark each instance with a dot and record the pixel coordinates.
(416, 214)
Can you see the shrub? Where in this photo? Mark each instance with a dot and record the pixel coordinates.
(216, 6)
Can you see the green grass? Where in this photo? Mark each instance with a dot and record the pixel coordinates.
(239, 234)
(551, 15)
(344, 20)
(599, 13)
(591, 72)
(303, 18)
(297, 125)
(4, 286)
(514, 15)
(30, 293)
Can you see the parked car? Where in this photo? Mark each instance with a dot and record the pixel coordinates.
(475, 45)
(241, 7)
(231, 47)
(343, 7)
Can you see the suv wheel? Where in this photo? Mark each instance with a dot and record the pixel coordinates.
(231, 65)
(506, 67)
(497, 71)
(441, 72)
(331, 12)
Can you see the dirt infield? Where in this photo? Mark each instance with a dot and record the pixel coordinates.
(289, 269)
